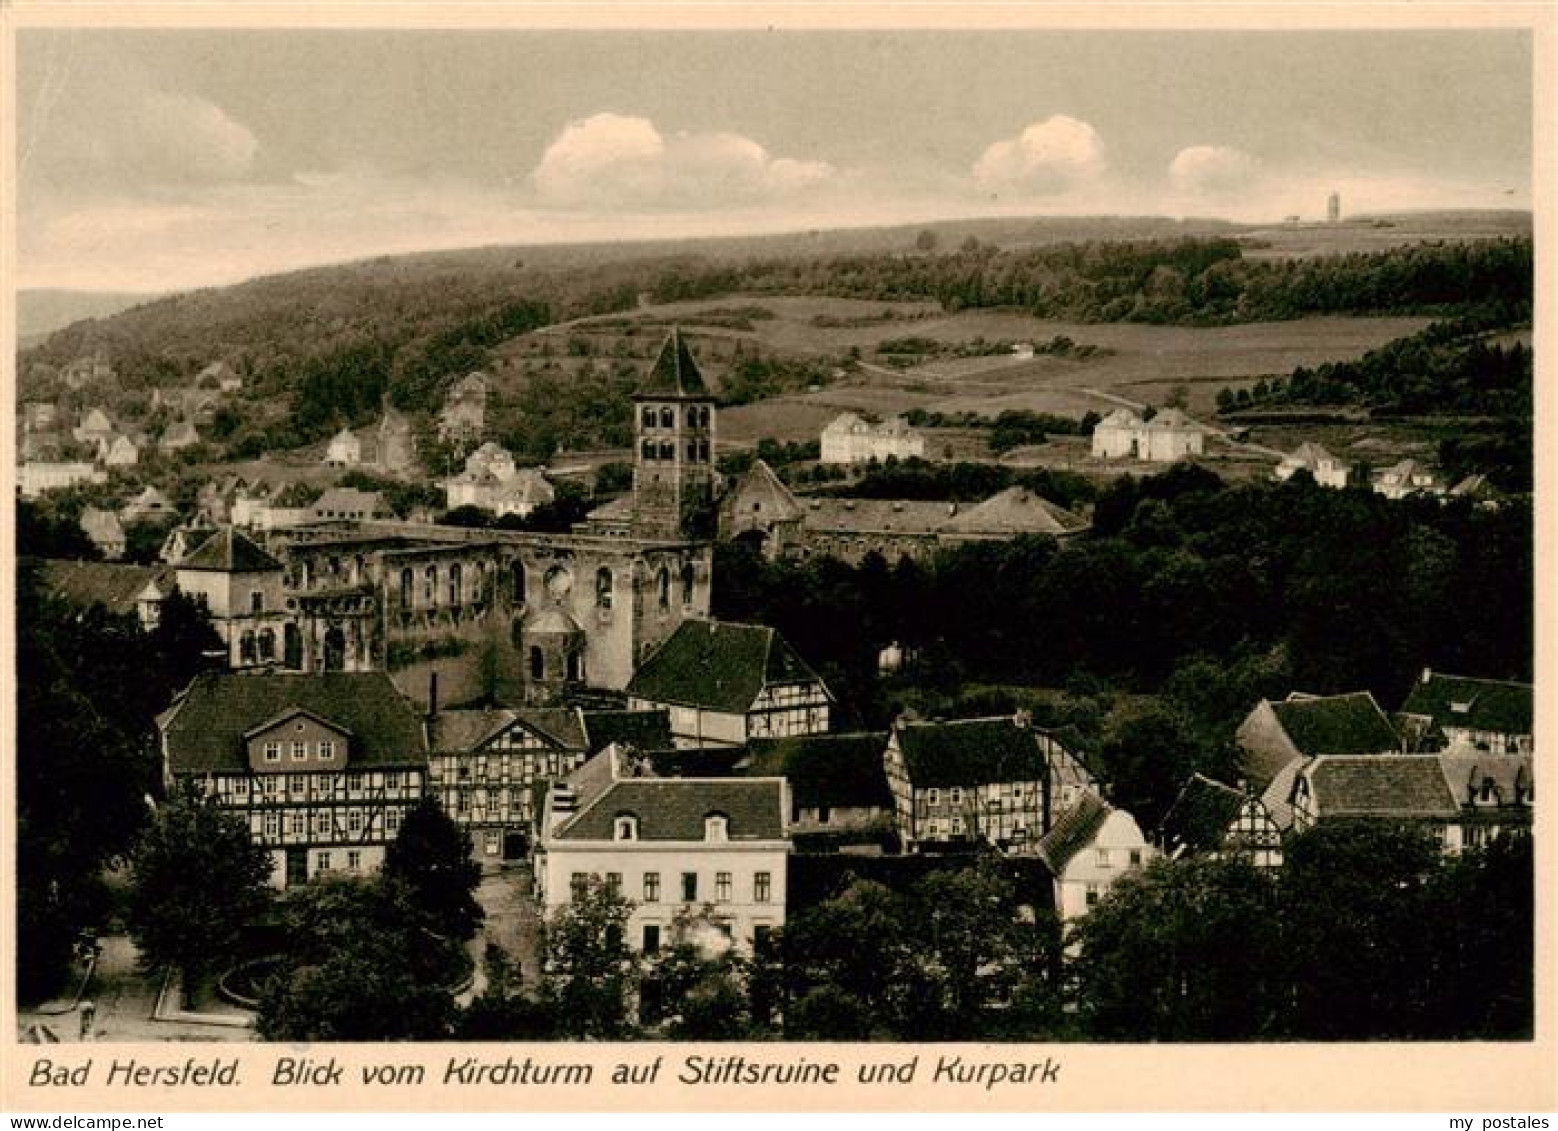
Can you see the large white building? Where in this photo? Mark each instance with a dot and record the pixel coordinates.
(710, 848)
(492, 482)
(852, 439)
(1167, 437)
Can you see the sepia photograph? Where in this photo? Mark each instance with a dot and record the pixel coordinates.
(745, 538)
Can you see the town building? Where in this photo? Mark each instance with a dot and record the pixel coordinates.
(151, 505)
(35, 477)
(348, 503)
(492, 482)
(242, 588)
(715, 848)
(1011, 513)
(838, 784)
(463, 418)
(1409, 477)
(760, 511)
(725, 684)
(999, 780)
(105, 531)
(1213, 819)
(344, 449)
(121, 589)
(121, 451)
(1462, 714)
(1166, 437)
(322, 768)
(851, 439)
(179, 435)
(1327, 470)
(95, 428)
(1276, 733)
(1091, 846)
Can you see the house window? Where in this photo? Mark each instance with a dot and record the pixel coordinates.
(626, 828)
(824, 814)
(327, 750)
(603, 586)
(246, 648)
(1101, 857)
(651, 938)
(256, 601)
(430, 587)
(392, 821)
(299, 751)
(1135, 857)
(1092, 894)
(689, 887)
(762, 939)
(267, 640)
(273, 751)
(537, 664)
(663, 590)
(762, 887)
(354, 861)
(354, 821)
(667, 418)
(648, 417)
(405, 587)
(956, 796)
(454, 584)
(299, 824)
(715, 827)
(933, 797)
(272, 826)
(578, 884)
(354, 782)
(614, 882)
(722, 887)
(651, 887)
(322, 862)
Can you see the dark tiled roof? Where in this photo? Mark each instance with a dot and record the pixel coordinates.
(561, 724)
(875, 516)
(760, 483)
(675, 373)
(1073, 831)
(113, 586)
(1509, 775)
(1198, 820)
(1404, 786)
(1493, 705)
(836, 770)
(204, 729)
(457, 730)
(1337, 724)
(718, 666)
(969, 752)
(671, 808)
(1014, 511)
(228, 551)
(642, 730)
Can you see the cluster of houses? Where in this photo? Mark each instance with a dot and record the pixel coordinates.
(388, 446)
(1403, 479)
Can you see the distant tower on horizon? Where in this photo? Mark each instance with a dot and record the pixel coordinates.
(1333, 208)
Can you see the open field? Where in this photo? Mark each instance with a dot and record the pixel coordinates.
(1366, 233)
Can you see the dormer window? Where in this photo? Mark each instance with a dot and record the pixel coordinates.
(625, 827)
(715, 827)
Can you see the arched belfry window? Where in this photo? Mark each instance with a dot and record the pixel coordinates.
(668, 417)
(648, 449)
(647, 417)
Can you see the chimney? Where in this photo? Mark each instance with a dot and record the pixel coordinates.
(432, 694)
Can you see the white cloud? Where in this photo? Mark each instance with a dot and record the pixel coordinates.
(1212, 170)
(613, 161)
(1048, 158)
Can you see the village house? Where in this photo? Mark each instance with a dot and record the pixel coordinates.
(1462, 714)
(121, 451)
(715, 848)
(179, 435)
(998, 780)
(348, 503)
(1168, 436)
(343, 450)
(464, 415)
(37, 476)
(105, 531)
(1327, 470)
(492, 482)
(838, 783)
(119, 588)
(220, 376)
(322, 768)
(1409, 477)
(1464, 800)
(1276, 733)
(725, 684)
(1091, 846)
(151, 505)
(1213, 819)
(851, 439)
(95, 429)
(1010, 514)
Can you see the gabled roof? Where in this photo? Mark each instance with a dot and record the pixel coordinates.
(1409, 785)
(1278, 794)
(1120, 418)
(969, 752)
(835, 770)
(760, 483)
(1173, 418)
(1073, 831)
(675, 373)
(896, 516)
(1013, 511)
(1508, 774)
(204, 730)
(337, 500)
(1336, 724)
(1308, 455)
(116, 587)
(638, 730)
(1198, 820)
(458, 730)
(1485, 704)
(719, 666)
(228, 551)
(671, 809)
(292, 713)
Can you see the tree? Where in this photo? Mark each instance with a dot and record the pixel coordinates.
(590, 970)
(196, 880)
(503, 1011)
(361, 966)
(431, 855)
(1183, 950)
(962, 926)
(857, 939)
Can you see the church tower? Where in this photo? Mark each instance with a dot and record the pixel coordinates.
(673, 449)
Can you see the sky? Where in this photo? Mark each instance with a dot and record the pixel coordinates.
(154, 160)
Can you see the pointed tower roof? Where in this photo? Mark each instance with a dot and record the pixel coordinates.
(675, 373)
